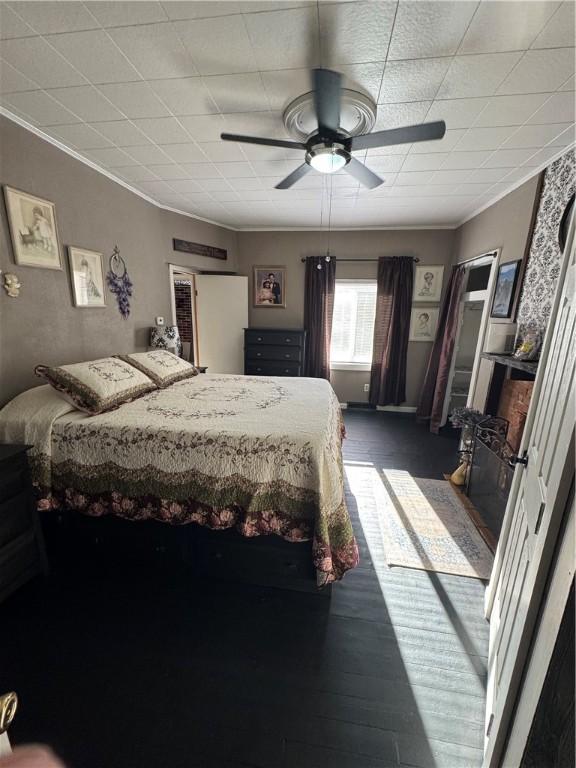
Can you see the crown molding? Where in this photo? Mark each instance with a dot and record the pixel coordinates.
(531, 172)
(374, 228)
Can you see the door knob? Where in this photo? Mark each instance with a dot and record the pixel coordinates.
(8, 707)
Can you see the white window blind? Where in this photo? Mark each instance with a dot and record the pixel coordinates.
(353, 321)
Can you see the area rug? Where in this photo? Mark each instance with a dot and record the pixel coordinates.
(424, 525)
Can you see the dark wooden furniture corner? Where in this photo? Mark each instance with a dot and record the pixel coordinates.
(22, 554)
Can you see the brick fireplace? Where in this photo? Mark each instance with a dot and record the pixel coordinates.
(513, 406)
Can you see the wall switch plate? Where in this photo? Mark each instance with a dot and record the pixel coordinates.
(159, 321)
(366, 387)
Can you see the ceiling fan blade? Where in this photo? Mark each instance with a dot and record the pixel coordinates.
(260, 140)
(406, 135)
(327, 98)
(295, 176)
(364, 175)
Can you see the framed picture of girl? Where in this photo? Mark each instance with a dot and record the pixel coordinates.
(87, 278)
(270, 287)
(33, 230)
(428, 283)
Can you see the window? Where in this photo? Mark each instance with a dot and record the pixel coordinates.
(353, 323)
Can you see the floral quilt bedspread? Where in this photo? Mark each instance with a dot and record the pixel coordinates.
(259, 454)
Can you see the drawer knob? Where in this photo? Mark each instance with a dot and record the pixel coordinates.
(287, 341)
(258, 369)
(258, 354)
(287, 356)
(259, 338)
(286, 370)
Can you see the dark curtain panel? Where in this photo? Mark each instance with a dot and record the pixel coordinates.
(436, 380)
(391, 330)
(318, 309)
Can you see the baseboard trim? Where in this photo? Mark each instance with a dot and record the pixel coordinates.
(397, 408)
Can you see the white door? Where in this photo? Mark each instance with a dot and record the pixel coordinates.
(533, 515)
(221, 314)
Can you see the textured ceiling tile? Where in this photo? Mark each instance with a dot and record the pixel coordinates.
(364, 77)
(122, 133)
(462, 160)
(450, 177)
(135, 173)
(429, 28)
(447, 144)
(218, 45)
(457, 113)
(183, 153)
(538, 136)
(111, 157)
(185, 96)
(569, 85)
(115, 14)
(506, 26)
(432, 162)
(169, 172)
(214, 185)
(389, 164)
(134, 99)
(195, 9)
(236, 170)
(415, 80)
(149, 154)
(87, 103)
(510, 110)
(559, 108)
(284, 39)
(224, 151)
(355, 32)
(508, 158)
(559, 31)
(11, 81)
(413, 177)
(478, 75)
(491, 175)
(155, 50)
(79, 136)
(95, 56)
(283, 86)
(185, 186)
(540, 71)
(204, 127)
(398, 115)
(540, 158)
(43, 109)
(34, 58)
(238, 93)
(11, 23)
(484, 138)
(47, 17)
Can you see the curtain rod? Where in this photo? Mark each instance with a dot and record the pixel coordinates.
(303, 259)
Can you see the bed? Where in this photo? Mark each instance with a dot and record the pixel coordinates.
(260, 455)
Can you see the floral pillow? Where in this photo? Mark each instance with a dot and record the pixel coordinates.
(97, 385)
(161, 366)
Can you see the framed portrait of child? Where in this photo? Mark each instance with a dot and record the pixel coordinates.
(33, 230)
(270, 287)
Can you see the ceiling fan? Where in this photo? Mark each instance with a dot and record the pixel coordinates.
(329, 149)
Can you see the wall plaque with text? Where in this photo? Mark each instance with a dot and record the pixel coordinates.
(185, 246)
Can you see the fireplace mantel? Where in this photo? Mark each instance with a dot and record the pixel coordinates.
(528, 366)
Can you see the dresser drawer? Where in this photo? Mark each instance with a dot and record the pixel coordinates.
(15, 517)
(274, 353)
(267, 368)
(276, 338)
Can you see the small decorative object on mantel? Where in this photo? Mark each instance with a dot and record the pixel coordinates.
(185, 246)
(529, 346)
(166, 337)
(12, 284)
(119, 282)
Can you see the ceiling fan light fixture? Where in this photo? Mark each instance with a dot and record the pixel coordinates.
(327, 158)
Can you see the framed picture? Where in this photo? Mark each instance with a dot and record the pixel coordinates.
(87, 277)
(428, 283)
(33, 230)
(423, 323)
(505, 289)
(270, 287)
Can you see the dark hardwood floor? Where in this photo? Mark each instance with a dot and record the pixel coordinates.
(145, 668)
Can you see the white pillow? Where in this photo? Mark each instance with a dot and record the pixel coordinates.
(161, 366)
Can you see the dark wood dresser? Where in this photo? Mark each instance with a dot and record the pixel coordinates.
(22, 553)
(274, 351)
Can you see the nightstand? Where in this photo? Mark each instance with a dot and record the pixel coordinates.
(22, 554)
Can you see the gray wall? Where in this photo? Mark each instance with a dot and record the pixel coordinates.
(42, 325)
(287, 248)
